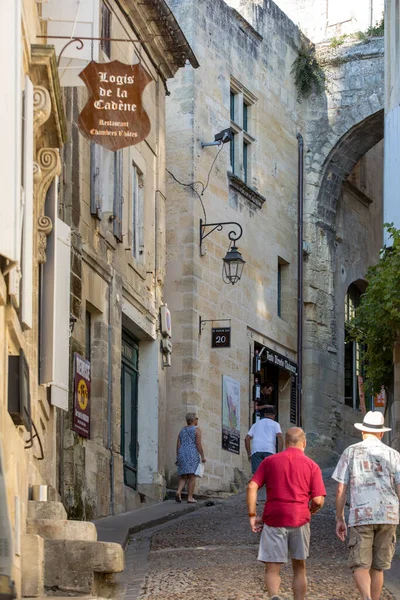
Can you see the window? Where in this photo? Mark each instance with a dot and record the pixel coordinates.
(353, 351)
(88, 335)
(282, 285)
(105, 29)
(106, 196)
(241, 106)
(118, 199)
(137, 213)
(279, 290)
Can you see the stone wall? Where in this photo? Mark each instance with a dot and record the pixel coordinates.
(27, 462)
(258, 53)
(342, 127)
(120, 292)
(256, 44)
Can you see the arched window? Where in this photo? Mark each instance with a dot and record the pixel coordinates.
(353, 363)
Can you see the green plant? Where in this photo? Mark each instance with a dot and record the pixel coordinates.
(308, 74)
(337, 41)
(377, 319)
(376, 30)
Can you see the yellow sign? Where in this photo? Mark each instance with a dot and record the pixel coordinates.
(83, 395)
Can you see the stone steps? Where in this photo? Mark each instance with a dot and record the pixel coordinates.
(64, 556)
(62, 530)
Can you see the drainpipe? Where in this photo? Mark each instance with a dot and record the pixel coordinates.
(109, 399)
(299, 397)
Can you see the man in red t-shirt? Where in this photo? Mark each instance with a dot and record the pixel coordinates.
(295, 491)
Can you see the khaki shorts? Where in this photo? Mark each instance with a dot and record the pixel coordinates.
(372, 546)
(278, 544)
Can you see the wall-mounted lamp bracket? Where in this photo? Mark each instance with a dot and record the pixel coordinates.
(232, 235)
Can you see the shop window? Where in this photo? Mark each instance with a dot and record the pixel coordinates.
(241, 119)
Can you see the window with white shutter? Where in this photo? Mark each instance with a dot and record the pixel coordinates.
(55, 306)
(10, 127)
(27, 228)
(60, 382)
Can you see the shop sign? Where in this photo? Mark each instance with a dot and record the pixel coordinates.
(114, 116)
(230, 414)
(81, 414)
(221, 337)
(280, 361)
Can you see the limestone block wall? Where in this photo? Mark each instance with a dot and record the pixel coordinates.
(344, 236)
(324, 20)
(257, 49)
(120, 291)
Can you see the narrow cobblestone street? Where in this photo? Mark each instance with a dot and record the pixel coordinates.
(211, 555)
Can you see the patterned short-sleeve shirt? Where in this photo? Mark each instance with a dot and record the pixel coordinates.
(372, 471)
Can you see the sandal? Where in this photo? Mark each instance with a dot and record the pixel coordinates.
(193, 501)
(178, 498)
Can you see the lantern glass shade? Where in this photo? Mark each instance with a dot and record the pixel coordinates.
(233, 266)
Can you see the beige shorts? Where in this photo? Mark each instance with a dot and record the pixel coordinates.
(278, 544)
(372, 546)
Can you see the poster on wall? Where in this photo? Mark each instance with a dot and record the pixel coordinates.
(81, 414)
(380, 400)
(230, 414)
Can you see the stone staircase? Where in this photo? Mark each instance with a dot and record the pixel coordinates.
(64, 557)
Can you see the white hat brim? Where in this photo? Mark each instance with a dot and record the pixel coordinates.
(362, 427)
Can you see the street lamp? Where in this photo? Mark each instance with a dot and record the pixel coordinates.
(233, 262)
(233, 266)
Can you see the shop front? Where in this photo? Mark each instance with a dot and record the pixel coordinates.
(274, 370)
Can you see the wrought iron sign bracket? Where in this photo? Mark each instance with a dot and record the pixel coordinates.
(80, 41)
(232, 235)
(202, 322)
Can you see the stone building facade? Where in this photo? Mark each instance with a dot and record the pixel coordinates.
(250, 47)
(247, 85)
(114, 203)
(76, 277)
(32, 385)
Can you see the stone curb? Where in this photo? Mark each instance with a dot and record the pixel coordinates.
(159, 521)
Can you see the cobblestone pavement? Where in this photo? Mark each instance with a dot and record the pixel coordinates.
(211, 555)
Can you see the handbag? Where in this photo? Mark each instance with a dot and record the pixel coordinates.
(200, 470)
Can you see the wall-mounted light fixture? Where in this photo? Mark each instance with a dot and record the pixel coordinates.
(224, 136)
(233, 261)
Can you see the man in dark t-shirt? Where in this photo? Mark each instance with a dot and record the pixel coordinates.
(295, 491)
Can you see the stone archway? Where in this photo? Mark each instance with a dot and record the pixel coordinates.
(343, 127)
(342, 159)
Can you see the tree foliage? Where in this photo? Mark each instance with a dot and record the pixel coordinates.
(308, 74)
(377, 319)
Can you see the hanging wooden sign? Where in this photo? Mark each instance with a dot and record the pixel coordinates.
(114, 116)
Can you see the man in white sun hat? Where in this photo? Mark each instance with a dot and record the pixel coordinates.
(371, 470)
